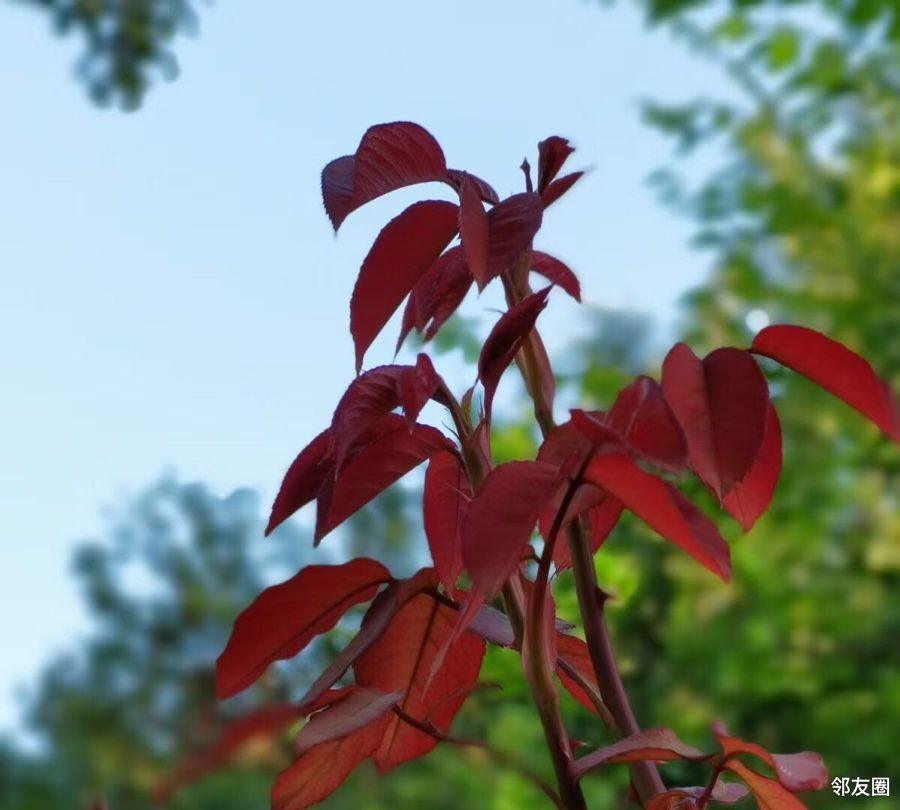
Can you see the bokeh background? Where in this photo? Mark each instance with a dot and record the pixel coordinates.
(174, 326)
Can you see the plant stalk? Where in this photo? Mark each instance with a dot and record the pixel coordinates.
(644, 775)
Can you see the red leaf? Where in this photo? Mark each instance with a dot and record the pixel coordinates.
(594, 428)
(832, 366)
(552, 154)
(283, 619)
(682, 798)
(642, 417)
(501, 518)
(559, 187)
(373, 469)
(511, 228)
(769, 794)
(357, 709)
(504, 341)
(750, 497)
(437, 295)
(663, 508)
(575, 653)
(320, 771)
(389, 156)
(446, 499)
(485, 189)
(267, 721)
(795, 772)
(653, 744)
(367, 399)
(337, 189)
(721, 404)
(401, 661)
(378, 616)
(602, 519)
(473, 231)
(416, 386)
(303, 479)
(556, 272)
(402, 252)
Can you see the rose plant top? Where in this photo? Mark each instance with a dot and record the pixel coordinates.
(418, 651)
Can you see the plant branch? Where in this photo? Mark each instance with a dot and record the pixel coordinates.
(645, 776)
(504, 759)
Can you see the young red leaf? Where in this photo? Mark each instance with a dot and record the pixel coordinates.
(653, 744)
(663, 508)
(721, 404)
(594, 428)
(750, 497)
(367, 399)
(473, 231)
(283, 619)
(574, 652)
(401, 660)
(685, 798)
(552, 154)
(796, 772)
(377, 618)
(559, 187)
(511, 228)
(437, 295)
(769, 793)
(358, 708)
(389, 156)
(416, 386)
(386, 459)
(317, 773)
(445, 502)
(556, 272)
(303, 479)
(402, 252)
(505, 339)
(337, 189)
(501, 518)
(642, 417)
(485, 189)
(832, 366)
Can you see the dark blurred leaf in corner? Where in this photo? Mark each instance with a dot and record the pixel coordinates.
(127, 42)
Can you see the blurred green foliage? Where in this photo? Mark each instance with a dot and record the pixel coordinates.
(126, 42)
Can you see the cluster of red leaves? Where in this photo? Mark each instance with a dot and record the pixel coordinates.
(419, 648)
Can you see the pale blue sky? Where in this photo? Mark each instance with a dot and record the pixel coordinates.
(171, 294)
